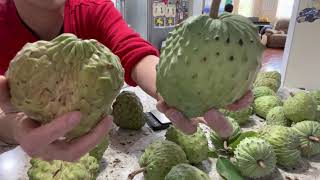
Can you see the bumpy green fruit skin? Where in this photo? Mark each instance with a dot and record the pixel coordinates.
(200, 54)
(85, 169)
(316, 96)
(242, 116)
(276, 117)
(185, 171)
(99, 150)
(285, 143)
(318, 114)
(159, 157)
(268, 82)
(218, 141)
(50, 78)
(262, 91)
(309, 134)
(251, 153)
(264, 104)
(128, 111)
(195, 146)
(300, 107)
(270, 74)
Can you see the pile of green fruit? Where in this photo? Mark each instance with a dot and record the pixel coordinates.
(175, 157)
(291, 132)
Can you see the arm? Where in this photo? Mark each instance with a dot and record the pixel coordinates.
(139, 60)
(138, 56)
(144, 74)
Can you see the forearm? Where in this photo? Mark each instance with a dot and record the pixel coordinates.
(144, 74)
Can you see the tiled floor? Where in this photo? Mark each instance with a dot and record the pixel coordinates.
(272, 60)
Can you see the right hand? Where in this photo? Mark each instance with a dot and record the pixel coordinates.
(42, 141)
(212, 118)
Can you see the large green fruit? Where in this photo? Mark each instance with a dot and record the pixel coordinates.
(85, 169)
(185, 171)
(223, 143)
(285, 143)
(208, 63)
(299, 107)
(158, 159)
(268, 82)
(270, 74)
(128, 111)
(276, 117)
(264, 104)
(99, 150)
(242, 116)
(195, 146)
(316, 96)
(255, 157)
(50, 78)
(309, 134)
(262, 91)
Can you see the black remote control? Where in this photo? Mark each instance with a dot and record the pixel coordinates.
(154, 123)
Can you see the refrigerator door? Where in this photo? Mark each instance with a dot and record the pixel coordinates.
(154, 19)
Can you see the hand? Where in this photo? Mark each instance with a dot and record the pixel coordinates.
(43, 141)
(213, 118)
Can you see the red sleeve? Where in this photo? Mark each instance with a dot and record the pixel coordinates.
(113, 31)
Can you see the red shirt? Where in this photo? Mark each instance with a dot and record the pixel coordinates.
(88, 19)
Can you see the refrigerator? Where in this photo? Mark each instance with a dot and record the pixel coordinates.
(154, 19)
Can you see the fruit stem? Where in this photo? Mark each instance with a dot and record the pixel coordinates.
(214, 9)
(261, 164)
(313, 138)
(291, 94)
(225, 145)
(136, 172)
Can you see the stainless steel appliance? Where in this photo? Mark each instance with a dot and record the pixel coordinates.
(154, 19)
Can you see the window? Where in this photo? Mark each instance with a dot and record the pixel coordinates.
(246, 8)
(284, 9)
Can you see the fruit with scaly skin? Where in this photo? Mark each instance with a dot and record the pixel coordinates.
(276, 117)
(185, 171)
(128, 111)
(85, 169)
(242, 116)
(285, 143)
(50, 78)
(255, 157)
(270, 74)
(99, 150)
(316, 96)
(268, 82)
(299, 107)
(264, 104)
(262, 91)
(195, 146)
(209, 62)
(158, 159)
(318, 114)
(309, 134)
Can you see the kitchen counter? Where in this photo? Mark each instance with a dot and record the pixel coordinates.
(121, 158)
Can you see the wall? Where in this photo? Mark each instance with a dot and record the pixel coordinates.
(302, 53)
(266, 8)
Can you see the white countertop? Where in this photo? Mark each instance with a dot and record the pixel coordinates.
(121, 158)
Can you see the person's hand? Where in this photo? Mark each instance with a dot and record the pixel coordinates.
(44, 141)
(213, 118)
